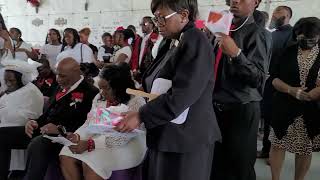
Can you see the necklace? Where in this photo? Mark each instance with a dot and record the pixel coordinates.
(233, 30)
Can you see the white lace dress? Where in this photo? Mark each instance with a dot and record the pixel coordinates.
(105, 159)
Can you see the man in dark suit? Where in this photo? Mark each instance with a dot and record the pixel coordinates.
(68, 108)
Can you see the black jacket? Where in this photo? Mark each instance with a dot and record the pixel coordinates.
(47, 85)
(286, 108)
(190, 67)
(281, 38)
(62, 112)
(242, 79)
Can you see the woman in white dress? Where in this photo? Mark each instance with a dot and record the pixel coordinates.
(124, 53)
(98, 161)
(52, 47)
(22, 50)
(20, 101)
(6, 43)
(72, 47)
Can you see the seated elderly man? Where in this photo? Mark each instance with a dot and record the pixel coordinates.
(68, 108)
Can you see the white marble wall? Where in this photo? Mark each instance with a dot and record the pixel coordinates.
(106, 15)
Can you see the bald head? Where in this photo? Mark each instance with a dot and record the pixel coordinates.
(69, 64)
(281, 16)
(68, 72)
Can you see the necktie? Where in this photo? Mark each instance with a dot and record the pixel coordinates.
(219, 57)
(61, 93)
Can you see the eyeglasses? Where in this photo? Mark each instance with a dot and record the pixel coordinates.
(144, 24)
(160, 20)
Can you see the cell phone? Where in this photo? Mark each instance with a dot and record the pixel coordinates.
(62, 131)
(106, 59)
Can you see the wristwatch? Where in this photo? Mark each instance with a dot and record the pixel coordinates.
(238, 54)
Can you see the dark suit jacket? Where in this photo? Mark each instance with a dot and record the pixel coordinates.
(190, 67)
(47, 86)
(281, 38)
(71, 116)
(163, 49)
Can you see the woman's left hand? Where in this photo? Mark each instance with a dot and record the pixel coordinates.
(314, 94)
(80, 148)
(130, 122)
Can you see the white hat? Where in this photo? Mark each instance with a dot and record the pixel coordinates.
(27, 69)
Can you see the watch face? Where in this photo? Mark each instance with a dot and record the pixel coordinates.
(62, 131)
(106, 59)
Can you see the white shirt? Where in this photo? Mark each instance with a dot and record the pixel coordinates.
(102, 52)
(75, 53)
(125, 50)
(21, 105)
(74, 86)
(143, 44)
(22, 55)
(156, 46)
(51, 52)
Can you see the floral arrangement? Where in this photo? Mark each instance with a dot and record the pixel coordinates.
(35, 3)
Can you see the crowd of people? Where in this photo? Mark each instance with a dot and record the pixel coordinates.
(210, 91)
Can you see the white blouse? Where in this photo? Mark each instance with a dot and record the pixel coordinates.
(82, 53)
(22, 55)
(125, 50)
(51, 52)
(21, 105)
(102, 52)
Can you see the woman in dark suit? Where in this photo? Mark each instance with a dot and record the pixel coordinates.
(179, 150)
(295, 114)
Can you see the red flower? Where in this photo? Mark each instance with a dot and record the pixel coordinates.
(34, 3)
(49, 81)
(77, 96)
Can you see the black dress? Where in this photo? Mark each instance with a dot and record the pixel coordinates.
(181, 151)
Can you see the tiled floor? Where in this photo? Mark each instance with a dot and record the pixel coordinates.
(264, 173)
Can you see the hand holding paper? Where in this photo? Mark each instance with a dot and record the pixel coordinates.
(228, 45)
(60, 140)
(219, 22)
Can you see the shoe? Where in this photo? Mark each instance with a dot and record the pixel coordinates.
(262, 155)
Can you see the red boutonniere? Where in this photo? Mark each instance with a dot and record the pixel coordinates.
(77, 97)
(49, 82)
